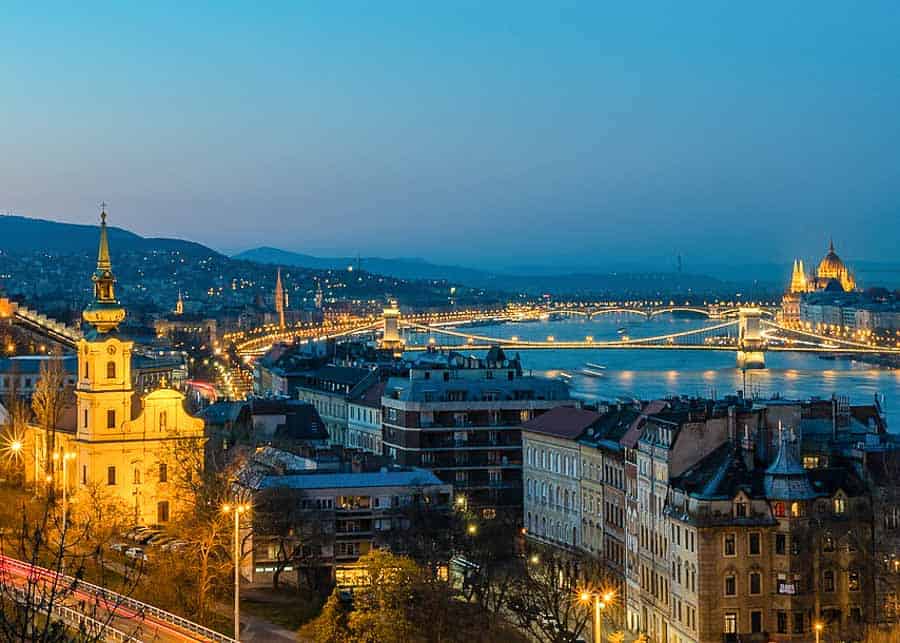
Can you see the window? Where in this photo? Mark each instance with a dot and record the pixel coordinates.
(740, 509)
(729, 545)
(755, 583)
(111, 476)
(84, 477)
(110, 370)
(84, 422)
(755, 621)
(828, 580)
(782, 622)
(162, 511)
(111, 419)
(731, 623)
(810, 462)
(163, 472)
(730, 585)
(798, 623)
(779, 510)
(796, 509)
(87, 370)
(163, 420)
(853, 580)
(753, 544)
(136, 476)
(828, 543)
(839, 505)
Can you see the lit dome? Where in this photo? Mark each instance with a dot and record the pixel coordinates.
(831, 266)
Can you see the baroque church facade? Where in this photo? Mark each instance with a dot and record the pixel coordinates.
(116, 441)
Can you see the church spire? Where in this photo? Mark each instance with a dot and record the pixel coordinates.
(279, 299)
(104, 313)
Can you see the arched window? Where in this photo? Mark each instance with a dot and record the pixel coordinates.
(87, 370)
(110, 370)
(137, 476)
(163, 420)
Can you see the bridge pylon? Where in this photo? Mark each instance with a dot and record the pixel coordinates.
(751, 344)
(390, 337)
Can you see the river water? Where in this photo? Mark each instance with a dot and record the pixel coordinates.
(647, 374)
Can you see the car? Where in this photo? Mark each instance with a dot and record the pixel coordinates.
(174, 545)
(133, 532)
(144, 537)
(119, 547)
(136, 552)
(160, 539)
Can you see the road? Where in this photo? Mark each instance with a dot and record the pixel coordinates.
(122, 618)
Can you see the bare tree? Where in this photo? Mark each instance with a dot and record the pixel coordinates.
(48, 402)
(546, 600)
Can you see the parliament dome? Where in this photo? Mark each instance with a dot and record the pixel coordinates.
(831, 266)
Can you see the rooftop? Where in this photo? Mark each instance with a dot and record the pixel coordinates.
(389, 478)
(563, 422)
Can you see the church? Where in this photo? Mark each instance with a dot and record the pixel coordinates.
(831, 275)
(112, 439)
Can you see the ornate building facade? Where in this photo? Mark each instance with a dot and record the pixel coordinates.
(116, 440)
(831, 274)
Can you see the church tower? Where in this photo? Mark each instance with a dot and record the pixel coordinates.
(179, 305)
(125, 446)
(279, 299)
(798, 278)
(104, 387)
(320, 296)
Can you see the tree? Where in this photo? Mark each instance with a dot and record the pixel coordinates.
(399, 601)
(546, 598)
(48, 402)
(45, 561)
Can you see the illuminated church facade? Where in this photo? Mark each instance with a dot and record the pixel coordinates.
(116, 441)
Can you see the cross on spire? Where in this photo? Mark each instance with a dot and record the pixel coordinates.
(103, 211)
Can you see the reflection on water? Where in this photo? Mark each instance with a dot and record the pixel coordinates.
(647, 374)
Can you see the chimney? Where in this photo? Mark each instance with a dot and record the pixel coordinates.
(747, 449)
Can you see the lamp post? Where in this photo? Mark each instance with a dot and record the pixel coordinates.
(818, 627)
(600, 600)
(237, 509)
(64, 456)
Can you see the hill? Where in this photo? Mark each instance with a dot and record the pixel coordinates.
(23, 234)
(401, 267)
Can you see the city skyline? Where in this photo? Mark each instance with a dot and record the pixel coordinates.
(556, 135)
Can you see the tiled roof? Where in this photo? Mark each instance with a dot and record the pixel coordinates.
(371, 396)
(562, 422)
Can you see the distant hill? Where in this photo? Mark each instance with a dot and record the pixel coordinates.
(401, 267)
(536, 282)
(23, 234)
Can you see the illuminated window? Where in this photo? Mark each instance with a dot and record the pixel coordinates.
(779, 510)
(730, 623)
(839, 505)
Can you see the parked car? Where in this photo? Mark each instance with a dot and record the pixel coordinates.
(160, 538)
(119, 547)
(174, 545)
(144, 537)
(133, 533)
(137, 553)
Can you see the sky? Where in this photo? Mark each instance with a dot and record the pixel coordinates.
(483, 134)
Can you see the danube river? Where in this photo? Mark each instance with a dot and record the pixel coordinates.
(655, 373)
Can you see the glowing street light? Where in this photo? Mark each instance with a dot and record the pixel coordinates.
(601, 600)
(237, 509)
(818, 627)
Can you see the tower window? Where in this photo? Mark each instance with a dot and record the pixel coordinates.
(137, 475)
(85, 419)
(162, 511)
(110, 370)
(111, 419)
(163, 472)
(162, 421)
(111, 476)
(87, 370)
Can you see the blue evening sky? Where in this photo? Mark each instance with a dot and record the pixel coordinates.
(484, 133)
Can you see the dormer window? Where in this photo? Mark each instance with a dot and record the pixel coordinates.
(740, 509)
(839, 504)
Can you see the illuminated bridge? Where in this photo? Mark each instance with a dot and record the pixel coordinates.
(748, 331)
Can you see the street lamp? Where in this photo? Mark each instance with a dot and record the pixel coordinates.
(818, 627)
(601, 600)
(237, 509)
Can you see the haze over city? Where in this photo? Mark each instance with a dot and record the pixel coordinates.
(495, 135)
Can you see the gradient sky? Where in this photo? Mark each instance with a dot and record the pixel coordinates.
(480, 133)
